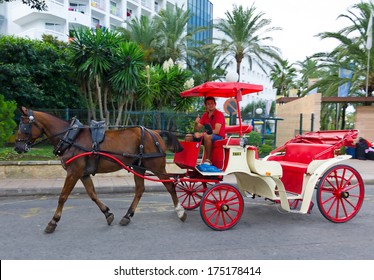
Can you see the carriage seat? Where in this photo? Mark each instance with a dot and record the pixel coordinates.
(187, 159)
(297, 156)
(295, 162)
(218, 152)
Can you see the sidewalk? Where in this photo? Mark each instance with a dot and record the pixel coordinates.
(125, 184)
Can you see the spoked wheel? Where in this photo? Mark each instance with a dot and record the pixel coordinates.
(294, 203)
(221, 207)
(340, 193)
(190, 193)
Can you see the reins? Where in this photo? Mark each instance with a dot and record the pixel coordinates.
(124, 166)
(107, 155)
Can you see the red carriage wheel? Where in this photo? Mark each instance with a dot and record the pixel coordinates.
(221, 207)
(190, 193)
(340, 193)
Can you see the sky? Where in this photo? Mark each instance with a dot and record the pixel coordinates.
(300, 21)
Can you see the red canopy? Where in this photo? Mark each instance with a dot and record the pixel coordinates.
(221, 89)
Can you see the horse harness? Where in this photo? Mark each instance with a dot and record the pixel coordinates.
(25, 128)
(97, 131)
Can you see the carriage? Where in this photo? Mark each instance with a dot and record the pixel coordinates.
(288, 176)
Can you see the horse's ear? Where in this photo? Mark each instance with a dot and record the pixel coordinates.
(24, 110)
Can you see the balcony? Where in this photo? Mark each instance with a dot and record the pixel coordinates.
(79, 17)
(36, 33)
(97, 4)
(115, 11)
(23, 14)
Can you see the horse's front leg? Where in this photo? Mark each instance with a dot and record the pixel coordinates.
(69, 184)
(178, 207)
(139, 190)
(90, 189)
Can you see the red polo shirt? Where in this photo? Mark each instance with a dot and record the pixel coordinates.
(217, 117)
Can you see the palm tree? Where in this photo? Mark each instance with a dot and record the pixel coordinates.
(352, 48)
(245, 37)
(283, 75)
(172, 27)
(206, 63)
(125, 77)
(92, 57)
(351, 52)
(144, 32)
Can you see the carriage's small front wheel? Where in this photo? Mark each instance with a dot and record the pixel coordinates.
(190, 193)
(221, 206)
(340, 193)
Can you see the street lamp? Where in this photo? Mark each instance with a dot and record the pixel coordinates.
(232, 77)
(259, 111)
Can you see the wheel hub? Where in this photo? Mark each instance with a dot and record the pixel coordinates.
(223, 207)
(341, 194)
(345, 194)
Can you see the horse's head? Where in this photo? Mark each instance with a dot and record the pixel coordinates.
(28, 131)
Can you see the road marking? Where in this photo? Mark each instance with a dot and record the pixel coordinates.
(31, 213)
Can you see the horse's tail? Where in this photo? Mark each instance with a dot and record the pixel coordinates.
(171, 141)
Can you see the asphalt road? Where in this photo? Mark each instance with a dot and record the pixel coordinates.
(155, 233)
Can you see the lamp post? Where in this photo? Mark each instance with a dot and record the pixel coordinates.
(259, 111)
(232, 77)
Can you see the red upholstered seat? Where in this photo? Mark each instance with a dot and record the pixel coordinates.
(189, 156)
(219, 154)
(295, 162)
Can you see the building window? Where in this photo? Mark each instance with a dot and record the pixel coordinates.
(95, 23)
(54, 27)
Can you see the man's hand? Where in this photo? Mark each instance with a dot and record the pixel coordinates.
(197, 120)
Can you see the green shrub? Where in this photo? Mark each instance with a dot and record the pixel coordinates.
(254, 139)
(264, 150)
(7, 124)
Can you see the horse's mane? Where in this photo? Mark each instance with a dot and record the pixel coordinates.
(52, 117)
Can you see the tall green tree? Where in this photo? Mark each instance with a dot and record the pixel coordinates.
(207, 63)
(309, 71)
(35, 73)
(173, 36)
(125, 76)
(283, 76)
(351, 50)
(351, 53)
(144, 32)
(92, 58)
(246, 36)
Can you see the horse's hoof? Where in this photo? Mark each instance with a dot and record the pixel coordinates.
(125, 221)
(184, 217)
(110, 219)
(50, 228)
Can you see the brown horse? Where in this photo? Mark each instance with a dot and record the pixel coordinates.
(138, 147)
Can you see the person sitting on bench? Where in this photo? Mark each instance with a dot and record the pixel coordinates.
(214, 123)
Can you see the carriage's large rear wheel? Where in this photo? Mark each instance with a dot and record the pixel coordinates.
(221, 206)
(340, 193)
(190, 193)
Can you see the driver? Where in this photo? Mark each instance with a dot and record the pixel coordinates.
(214, 123)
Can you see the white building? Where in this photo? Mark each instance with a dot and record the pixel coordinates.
(64, 15)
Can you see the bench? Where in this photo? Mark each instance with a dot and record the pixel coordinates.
(296, 159)
(219, 153)
(187, 159)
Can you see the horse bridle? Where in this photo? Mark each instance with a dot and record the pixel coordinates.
(26, 128)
